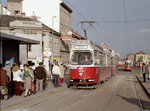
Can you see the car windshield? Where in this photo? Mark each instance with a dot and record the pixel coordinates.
(81, 58)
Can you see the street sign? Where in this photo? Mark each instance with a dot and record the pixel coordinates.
(47, 52)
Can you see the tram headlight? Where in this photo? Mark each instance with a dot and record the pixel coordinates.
(80, 74)
(91, 80)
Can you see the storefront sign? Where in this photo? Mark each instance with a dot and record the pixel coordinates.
(66, 37)
(56, 58)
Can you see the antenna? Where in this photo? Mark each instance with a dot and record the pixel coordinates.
(85, 28)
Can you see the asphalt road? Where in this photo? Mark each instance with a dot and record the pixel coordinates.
(120, 93)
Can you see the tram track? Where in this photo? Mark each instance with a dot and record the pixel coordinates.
(79, 93)
(137, 95)
(53, 99)
(112, 94)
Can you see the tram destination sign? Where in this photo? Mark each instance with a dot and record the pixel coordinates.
(81, 47)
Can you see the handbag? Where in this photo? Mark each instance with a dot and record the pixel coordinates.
(32, 86)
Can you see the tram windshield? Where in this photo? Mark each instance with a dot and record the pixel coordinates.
(81, 58)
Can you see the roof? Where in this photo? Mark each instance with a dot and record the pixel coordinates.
(6, 19)
(14, 0)
(66, 7)
(141, 52)
(21, 40)
(48, 28)
(130, 54)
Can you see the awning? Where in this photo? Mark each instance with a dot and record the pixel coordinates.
(21, 40)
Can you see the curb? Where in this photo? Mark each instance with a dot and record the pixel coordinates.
(145, 90)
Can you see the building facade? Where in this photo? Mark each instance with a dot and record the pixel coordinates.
(32, 29)
(142, 57)
(131, 57)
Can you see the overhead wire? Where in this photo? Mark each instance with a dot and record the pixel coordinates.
(97, 32)
(126, 25)
(126, 21)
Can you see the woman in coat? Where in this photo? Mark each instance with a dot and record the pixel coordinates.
(27, 77)
(17, 78)
(3, 83)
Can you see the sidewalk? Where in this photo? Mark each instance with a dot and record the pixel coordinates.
(16, 100)
(145, 85)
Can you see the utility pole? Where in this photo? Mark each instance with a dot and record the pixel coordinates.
(85, 28)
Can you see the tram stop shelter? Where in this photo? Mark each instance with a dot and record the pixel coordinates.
(9, 46)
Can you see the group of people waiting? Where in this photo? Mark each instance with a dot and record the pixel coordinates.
(16, 80)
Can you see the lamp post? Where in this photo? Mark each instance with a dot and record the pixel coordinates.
(52, 46)
(52, 36)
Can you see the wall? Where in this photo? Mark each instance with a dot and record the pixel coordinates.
(14, 6)
(65, 21)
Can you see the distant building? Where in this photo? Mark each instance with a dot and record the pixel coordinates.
(141, 56)
(117, 58)
(131, 57)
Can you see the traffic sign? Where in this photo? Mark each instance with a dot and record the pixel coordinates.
(47, 52)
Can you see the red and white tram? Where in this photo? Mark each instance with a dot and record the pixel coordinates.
(88, 63)
(128, 65)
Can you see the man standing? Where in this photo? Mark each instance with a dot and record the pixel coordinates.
(149, 71)
(39, 74)
(144, 72)
(56, 73)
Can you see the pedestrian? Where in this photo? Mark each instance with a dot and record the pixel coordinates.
(56, 74)
(27, 77)
(39, 73)
(3, 83)
(144, 72)
(148, 71)
(61, 72)
(32, 83)
(17, 78)
(45, 79)
(8, 69)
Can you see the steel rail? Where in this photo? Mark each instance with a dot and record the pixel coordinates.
(137, 95)
(112, 94)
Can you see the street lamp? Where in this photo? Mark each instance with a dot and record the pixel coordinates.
(52, 35)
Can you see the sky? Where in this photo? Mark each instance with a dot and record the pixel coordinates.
(111, 26)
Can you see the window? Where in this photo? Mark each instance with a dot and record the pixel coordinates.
(17, 11)
(81, 58)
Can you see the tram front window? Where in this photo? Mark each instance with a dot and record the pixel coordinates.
(81, 58)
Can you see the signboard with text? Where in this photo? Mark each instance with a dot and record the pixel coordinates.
(66, 37)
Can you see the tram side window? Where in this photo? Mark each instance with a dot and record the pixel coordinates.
(96, 57)
(74, 58)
